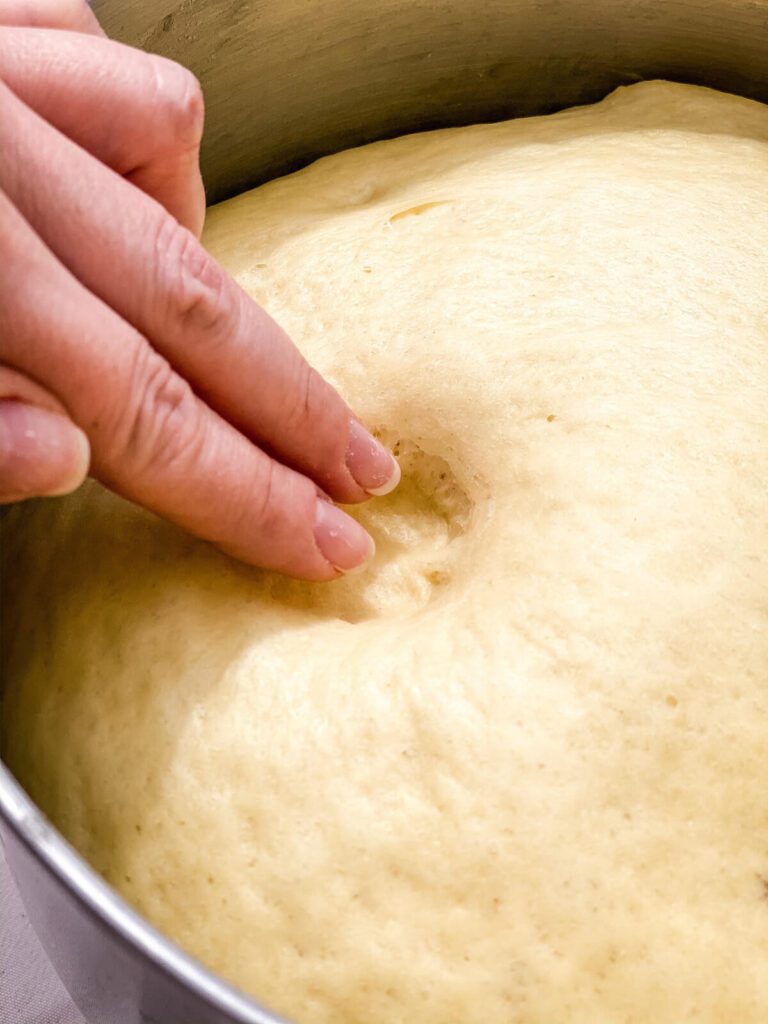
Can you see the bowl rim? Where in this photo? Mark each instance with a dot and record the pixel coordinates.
(98, 898)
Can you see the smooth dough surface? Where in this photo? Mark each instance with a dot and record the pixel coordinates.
(518, 773)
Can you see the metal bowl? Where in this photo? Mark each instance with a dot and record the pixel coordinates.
(287, 81)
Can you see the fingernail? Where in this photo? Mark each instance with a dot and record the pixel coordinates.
(341, 540)
(79, 467)
(42, 452)
(374, 468)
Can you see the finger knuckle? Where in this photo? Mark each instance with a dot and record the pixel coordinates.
(306, 394)
(161, 425)
(194, 285)
(257, 507)
(9, 219)
(181, 97)
(263, 506)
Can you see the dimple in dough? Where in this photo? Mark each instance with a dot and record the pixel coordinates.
(517, 773)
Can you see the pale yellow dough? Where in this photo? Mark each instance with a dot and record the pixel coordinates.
(518, 772)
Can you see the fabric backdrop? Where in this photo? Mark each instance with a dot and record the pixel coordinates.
(30, 991)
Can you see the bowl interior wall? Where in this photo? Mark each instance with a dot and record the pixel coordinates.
(287, 81)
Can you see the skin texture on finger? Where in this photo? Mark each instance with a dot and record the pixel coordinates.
(126, 249)
(78, 84)
(74, 15)
(152, 440)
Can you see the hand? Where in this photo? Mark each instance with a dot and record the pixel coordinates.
(124, 346)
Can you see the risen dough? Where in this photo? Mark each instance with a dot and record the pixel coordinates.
(517, 772)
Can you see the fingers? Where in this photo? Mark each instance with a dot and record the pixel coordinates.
(74, 15)
(151, 438)
(159, 104)
(41, 451)
(127, 250)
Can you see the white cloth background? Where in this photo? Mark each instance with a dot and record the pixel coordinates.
(30, 991)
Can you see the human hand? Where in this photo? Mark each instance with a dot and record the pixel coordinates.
(124, 347)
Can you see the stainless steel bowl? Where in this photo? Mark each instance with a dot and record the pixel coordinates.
(287, 81)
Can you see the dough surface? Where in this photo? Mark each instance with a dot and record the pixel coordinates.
(517, 773)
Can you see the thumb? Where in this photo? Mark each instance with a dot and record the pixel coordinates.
(41, 451)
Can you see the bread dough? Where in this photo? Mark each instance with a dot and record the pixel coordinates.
(516, 772)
